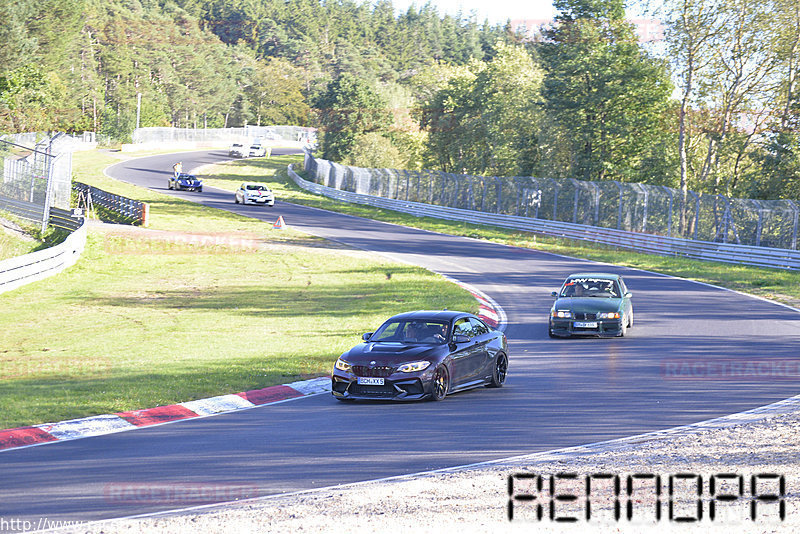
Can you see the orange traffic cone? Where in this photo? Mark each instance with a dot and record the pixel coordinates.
(280, 224)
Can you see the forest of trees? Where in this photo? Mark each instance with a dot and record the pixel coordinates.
(713, 108)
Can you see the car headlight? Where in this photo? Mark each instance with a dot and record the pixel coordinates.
(342, 365)
(413, 367)
(608, 315)
(562, 314)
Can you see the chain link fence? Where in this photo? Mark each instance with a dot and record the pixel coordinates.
(631, 207)
(294, 135)
(35, 177)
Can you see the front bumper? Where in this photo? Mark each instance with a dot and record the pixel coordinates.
(405, 387)
(259, 200)
(601, 328)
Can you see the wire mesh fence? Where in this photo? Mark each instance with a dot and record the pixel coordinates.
(632, 207)
(268, 134)
(36, 178)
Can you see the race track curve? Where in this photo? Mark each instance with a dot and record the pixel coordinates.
(559, 392)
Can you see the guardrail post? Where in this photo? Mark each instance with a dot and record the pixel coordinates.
(619, 211)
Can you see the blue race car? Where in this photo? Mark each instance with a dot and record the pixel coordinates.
(185, 182)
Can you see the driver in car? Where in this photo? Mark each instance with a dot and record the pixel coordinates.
(422, 333)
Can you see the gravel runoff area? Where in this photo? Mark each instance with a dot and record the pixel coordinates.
(763, 443)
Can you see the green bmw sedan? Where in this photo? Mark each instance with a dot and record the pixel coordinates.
(591, 304)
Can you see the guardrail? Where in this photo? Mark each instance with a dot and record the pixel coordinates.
(133, 211)
(16, 272)
(30, 211)
(650, 243)
(65, 219)
(631, 207)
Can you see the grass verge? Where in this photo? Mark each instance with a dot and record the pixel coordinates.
(14, 243)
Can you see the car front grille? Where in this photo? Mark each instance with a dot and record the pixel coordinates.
(380, 371)
(386, 390)
(585, 316)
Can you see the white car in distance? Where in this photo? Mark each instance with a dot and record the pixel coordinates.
(238, 150)
(254, 193)
(257, 151)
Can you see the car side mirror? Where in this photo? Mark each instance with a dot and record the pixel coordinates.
(628, 295)
(554, 294)
(461, 338)
(366, 336)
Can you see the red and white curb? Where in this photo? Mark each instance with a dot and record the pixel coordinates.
(489, 310)
(98, 425)
(106, 424)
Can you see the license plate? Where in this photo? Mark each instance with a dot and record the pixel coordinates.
(369, 381)
(584, 325)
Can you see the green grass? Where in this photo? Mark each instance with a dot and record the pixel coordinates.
(12, 245)
(19, 236)
(776, 284)
(151, 318)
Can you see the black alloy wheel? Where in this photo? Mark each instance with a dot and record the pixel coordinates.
(500, 371)
(441, 383)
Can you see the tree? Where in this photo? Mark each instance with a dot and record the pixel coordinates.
(18, 44)
(347, 110)
(275, 93)
(779, 175)
(485, 119)
(692, 26)
(608, 95)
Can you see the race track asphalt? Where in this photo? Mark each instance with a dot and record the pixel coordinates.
(559, 392)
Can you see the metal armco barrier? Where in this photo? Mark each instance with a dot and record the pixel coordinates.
(630, 207)
(653, 244)
(16, 272)
(64, 219)
(30, 211)
(133, 210)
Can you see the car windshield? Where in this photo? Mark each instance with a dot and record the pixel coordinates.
(257, 188)
(411, 331)
(590, 287)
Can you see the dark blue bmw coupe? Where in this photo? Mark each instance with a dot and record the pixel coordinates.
(422, 355)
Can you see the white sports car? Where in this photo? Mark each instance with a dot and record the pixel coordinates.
(254, 193)
(238, 150)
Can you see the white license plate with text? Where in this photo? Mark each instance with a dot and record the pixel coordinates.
(585, 325)
(369, 381)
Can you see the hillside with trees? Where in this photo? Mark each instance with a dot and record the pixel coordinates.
(714, 108)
